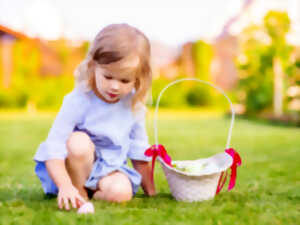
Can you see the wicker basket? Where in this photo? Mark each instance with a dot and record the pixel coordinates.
(195, 187)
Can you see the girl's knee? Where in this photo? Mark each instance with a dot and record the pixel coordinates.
(79, 145)
(120, 192)
(117, 188)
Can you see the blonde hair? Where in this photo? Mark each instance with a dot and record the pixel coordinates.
(119, 48)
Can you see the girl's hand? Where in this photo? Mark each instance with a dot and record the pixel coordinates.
(69, 193)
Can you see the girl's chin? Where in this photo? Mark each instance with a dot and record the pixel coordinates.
(110, 99)
(113, 101)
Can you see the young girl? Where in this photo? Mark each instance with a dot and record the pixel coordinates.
(101, 124)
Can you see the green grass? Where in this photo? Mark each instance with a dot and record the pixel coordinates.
(267, 190)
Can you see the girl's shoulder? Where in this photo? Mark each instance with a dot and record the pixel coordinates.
(139, 112)
(78, 97)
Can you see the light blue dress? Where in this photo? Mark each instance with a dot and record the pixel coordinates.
(117, 132)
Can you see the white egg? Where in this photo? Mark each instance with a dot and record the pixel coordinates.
(86, 208)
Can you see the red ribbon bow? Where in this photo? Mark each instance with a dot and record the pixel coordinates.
(158, 150)
(237, 161)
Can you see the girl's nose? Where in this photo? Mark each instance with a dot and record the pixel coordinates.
(115, 85)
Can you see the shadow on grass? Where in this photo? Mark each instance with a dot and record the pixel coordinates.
(16, 197)
(161, 196)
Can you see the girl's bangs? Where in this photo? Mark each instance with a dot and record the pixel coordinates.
(129, 66)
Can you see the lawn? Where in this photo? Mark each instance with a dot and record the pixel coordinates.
(267, 189)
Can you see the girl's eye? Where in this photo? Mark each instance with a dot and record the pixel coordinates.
(125, 81)
(108, 77)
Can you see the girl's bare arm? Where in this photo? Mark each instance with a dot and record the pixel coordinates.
(67, 192)
(144, 168)
(57, 171)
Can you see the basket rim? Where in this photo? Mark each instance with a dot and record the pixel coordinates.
(221, 169)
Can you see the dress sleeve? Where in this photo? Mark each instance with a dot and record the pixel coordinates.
(139, 139)
(71, 113)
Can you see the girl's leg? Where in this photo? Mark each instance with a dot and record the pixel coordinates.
(80, 160)
(115, 187)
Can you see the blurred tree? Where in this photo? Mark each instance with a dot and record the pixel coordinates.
(277, 24)
(200, 94)
(202, 54)
(264, 60)
(254, 63)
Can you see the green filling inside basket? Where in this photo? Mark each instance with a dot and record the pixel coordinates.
(192, 168)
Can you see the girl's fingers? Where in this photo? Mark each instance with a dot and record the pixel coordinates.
(75, 199)
(73, 202)
(81, 199)
(59, 201)
(66, 203)
(78, 203)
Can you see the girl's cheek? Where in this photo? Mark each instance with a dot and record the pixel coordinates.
(100, 84)
(130, 88)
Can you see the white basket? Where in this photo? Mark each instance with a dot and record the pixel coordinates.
(191, 187)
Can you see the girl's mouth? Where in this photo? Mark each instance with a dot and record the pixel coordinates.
(112, 95)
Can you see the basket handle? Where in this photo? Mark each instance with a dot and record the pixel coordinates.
(201, 81)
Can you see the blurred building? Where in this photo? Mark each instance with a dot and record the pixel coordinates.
(164, 60)
(52, 58)
(171, 62)
(7, 39)
(48, 62)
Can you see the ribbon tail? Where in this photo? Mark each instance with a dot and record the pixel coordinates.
(221, 182)
(232, 178)
(152, 169)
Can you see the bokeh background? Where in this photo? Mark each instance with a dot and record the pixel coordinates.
(250, 48)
